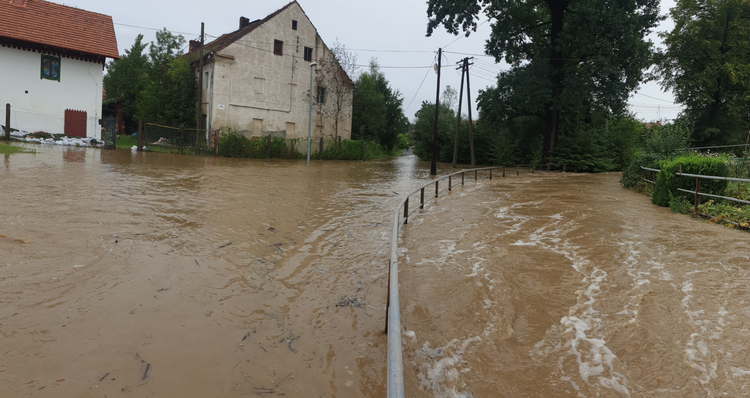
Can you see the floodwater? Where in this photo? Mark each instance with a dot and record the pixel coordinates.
(566, 285)
(141, 274)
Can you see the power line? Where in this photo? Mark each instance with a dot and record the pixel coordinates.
(658, 99)
(462, 36)
(419, 88)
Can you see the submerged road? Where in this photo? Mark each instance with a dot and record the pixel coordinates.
(138, 274)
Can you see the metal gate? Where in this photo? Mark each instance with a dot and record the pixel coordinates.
(109, 132)
(75, 123)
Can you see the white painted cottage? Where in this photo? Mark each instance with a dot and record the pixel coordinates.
(52, 60)
(257, 78)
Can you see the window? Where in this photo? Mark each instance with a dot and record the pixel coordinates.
(278, 47)
(294, 25)
(50, 68)
(308, 54)
(321, 97)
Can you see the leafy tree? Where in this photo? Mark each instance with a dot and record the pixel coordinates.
(126, 78)
(377, 113)
(582, 56)
(158, 88)
(707, 64)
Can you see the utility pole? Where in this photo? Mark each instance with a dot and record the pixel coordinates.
(458, 124)
(433, 165)
(468, 99)
(199, 105)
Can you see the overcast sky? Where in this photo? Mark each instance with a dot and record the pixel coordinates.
(393, 31)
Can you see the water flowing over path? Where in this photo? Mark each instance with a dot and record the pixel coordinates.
(138, 274)
(567, 285)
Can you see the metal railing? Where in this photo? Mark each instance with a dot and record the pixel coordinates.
(393, 319)
(697, 193)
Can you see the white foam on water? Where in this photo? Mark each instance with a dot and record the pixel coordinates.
(594, 358)
(440, 373)
(738, 372)
(697, 350)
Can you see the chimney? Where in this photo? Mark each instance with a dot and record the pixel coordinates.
(195, 45)
(244, 22)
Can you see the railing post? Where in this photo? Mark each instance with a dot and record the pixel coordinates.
(518, 169)
(490, 174)
(548, 167)
(436, 188)
(449, 183)
(421, 199)
(563, 168)
(462, 178)
(697, 191)
(406, 211)
(475, 174)
(503, 171)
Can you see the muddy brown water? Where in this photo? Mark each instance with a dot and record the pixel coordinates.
(138, 274)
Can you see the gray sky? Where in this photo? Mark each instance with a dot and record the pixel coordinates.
(392, 31)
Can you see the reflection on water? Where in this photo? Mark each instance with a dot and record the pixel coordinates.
(138, 274)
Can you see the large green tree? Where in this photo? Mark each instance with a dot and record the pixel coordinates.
(376, 110)
(707, 65)
(578, 56)
(126, 78)
(158, 88)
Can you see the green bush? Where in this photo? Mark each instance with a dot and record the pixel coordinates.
(340, 149)
(667, 181)
(235, 145)
(680, 204)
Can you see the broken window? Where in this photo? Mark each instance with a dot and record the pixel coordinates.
(308, 54)
(278, 47)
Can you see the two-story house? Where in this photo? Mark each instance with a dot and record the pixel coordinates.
(257, 79)
(52, 58)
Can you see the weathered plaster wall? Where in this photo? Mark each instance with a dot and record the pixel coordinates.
(260, 92)
(39, 104)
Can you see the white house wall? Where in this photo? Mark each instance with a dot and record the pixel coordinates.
(39, 104)
(260, 93)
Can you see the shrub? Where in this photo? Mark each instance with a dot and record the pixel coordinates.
(667, 181)
(340, 149)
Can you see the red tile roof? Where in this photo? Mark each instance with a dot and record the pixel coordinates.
(49, 24)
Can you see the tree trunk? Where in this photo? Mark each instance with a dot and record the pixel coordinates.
(557, 75)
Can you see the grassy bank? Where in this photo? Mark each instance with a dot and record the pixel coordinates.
(6, 149)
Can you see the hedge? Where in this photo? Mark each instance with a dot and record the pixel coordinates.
(667, 180)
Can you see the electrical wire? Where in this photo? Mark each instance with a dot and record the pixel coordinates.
(419, 88)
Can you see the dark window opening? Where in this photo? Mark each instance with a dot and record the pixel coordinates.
(321, 97)
(50, 68)
(278, 47)
(308, 54)
(294, 25)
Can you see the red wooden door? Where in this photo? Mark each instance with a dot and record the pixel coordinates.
(75, 123)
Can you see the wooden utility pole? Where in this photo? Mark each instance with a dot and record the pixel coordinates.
(433, 165)
(468, 99)
(458, 124)
(199, 106)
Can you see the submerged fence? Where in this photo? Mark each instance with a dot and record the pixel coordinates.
(168, 139)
